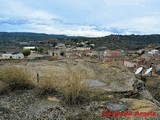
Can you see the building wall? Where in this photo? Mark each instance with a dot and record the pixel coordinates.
(92, 53)
(82, 49)
(50, 53)
(28, 48)
(6, 56)
(13, 56)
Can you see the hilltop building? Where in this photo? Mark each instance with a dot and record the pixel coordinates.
(29, 48)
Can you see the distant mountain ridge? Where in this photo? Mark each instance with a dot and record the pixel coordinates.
(126, 42)
(28, 34)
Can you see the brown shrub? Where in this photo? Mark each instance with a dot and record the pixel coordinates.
(68, 85)
(16, 78)
(50, 83)
(74, 89)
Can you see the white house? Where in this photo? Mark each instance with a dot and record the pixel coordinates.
(13, 56)
(50, 53)
(154, 51)
(82, 48)
(92, 53)
(102, 54)
(23, 43)
(60, 46)
(29, 48)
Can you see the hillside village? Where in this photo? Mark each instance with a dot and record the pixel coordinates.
(85, 50)
(45, 80)
(79, 60)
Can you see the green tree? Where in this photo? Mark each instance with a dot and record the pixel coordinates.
(62, 53)
(36, 49)
(40, 49)
(26, 52)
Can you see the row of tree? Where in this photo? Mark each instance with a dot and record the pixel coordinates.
(28, 52)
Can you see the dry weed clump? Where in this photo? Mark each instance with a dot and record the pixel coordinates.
(74, 89)
(50, 83)
(16, 78)
(69, 85)
(152, 84)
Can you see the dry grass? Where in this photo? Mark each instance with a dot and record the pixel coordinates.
(50, 83)
(68, 85)
(99, 95)
(152, 84)
(16, 78)
(75, 95)
(74, 89)
(3, 87)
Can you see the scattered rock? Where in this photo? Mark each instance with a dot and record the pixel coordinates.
(116, 106)
(53, 99)
(94, 83)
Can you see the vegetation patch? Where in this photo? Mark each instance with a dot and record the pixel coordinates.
(49, 84)
(16, 78)
(99, 95)
(26, 52)
(152, 84)
(74, 90)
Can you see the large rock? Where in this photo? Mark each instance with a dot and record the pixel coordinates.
(95, 83)
(142, 109)
(140, 105)
(112, 106)
(117, 78)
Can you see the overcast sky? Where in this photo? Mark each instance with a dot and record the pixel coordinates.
(81, 17)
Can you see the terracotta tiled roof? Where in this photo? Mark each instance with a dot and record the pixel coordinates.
(156, 55)
(114, 53)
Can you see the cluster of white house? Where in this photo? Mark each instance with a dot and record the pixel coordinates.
(13, 56)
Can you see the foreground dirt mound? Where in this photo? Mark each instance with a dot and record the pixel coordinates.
(111, 79)
(27, 105)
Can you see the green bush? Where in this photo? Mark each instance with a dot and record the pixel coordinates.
(62, 53)
(40, 49)
(26, 52)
